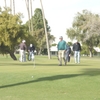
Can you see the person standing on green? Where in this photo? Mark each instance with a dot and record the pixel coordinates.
(62, 46)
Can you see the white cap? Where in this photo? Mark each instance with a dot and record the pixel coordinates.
(60, 37)
(30, 45)
(76, 41)
(23, 41)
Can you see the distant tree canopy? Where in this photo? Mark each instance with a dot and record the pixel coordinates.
(38, 30)
(86, 28)
(70, 43)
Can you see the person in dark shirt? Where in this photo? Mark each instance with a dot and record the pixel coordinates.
(77, 49)
(67, 54)
(31, 52)
(22, 48)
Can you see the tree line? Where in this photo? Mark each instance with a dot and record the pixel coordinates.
(86, 29)
(12, 31)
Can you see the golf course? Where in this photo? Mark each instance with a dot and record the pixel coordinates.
(43, 79)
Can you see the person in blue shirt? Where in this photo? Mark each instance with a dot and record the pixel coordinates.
(61, 50)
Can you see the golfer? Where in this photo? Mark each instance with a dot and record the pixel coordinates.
(31, 52)
(62, 46)
(22, 51)
(77, 49)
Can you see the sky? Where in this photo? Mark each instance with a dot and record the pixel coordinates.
(59, 13)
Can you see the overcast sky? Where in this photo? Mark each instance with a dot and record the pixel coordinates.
(59, 13)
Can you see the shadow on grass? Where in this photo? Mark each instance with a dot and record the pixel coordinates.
(86, 72)
(51, 78)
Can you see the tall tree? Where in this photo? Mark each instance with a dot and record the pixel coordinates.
(46, 34)
(11, 32)
(39, 32)
(86, 28)
(14, 7)
(31, 8)
(11, 6)
(28, 11)
(5, 3)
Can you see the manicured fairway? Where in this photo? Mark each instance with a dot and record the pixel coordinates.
(48, 81)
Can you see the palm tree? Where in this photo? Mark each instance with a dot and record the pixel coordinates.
(28, 10)
(14, 7)
(31, 7)
(11, 6)
(5, 3)
(47, 41)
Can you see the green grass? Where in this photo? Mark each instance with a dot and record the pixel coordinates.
(49, 81)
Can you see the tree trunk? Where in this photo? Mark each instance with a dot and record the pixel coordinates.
(28, 10)
(31, 17)
(5, 3)
(12, 55)
(91, 54)
(14, 7)
(40, 51)
(11, 6)
(47, 41)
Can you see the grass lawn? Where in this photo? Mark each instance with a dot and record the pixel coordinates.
(48, 81)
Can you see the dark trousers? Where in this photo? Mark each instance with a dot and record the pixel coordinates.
(67, 57)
